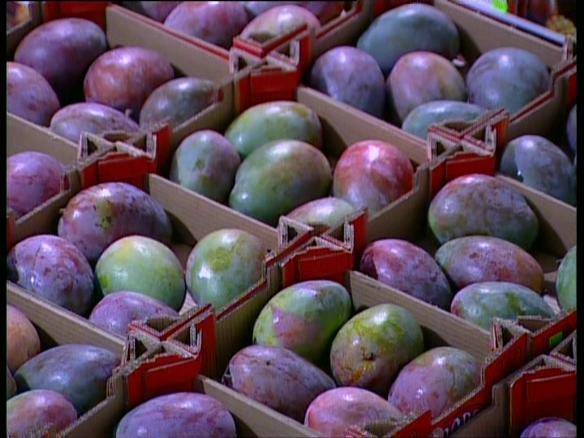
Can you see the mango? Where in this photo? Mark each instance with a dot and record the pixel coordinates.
(177, 101)
(566, 281)
(143, 265)
(476, 259)
(279, 120)
(278, 22)
(304, 318)
(277, 378)
(507, 78)
(17, 13)
(177, 415)
(422, 77)
(206, 162)
(29, 95)
(334, 411)
(325, 212)
(550, 427)
(10, 384)
(32, 178)
(116, 311)
(479, 303)
(23, 341)
(157, 10)
(480, 204)
(369, 350)
(408, 268)
(406, 29)
(572, 129)
(32, 411)
(538, 163)
(371, 174)
(435, 381)
(71, 121)
(98, 216)
(350, 76)
(78, 372)
(224, 265)
(112, 79)
(277, 178)
(215, 22)
(323, 10)
(439, 112)
(54, 269)
(62, 50)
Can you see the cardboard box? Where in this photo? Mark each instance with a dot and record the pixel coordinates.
(122, 30)
(55, 328)
(478, 34)
(567, 350)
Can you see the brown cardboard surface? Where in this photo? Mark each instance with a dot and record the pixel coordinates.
(22, 135)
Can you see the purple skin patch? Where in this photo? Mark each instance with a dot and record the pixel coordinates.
(551, 427)
(408, 268)
(179, 414)
(277, 378)
(54, 269)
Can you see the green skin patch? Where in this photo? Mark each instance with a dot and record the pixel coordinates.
(272, 121)
(479, 303)
(223, 266)
(142, 265)
(370, 349)
(566, 281)
(304, 318)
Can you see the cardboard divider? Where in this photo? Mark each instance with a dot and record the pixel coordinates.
(567, 350)
(546, 387)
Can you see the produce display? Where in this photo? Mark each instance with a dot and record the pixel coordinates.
(382, 325)
(53, 387)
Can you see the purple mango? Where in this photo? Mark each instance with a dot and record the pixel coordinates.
(476, 259)
(71, 121)
(422, 77)
(410, 269)
(54, 269)
(507, 78)
(78, 372)
(323, 10)
(550, 427)
(435, 381)
(102, 214)
(116, 311)
(480, 204)
(23, 342)
(279, 21)
(177, 101)
(332, 412)
(278, 378)
(123, 78)
(32, 178)
(178, 414)
(572, 129)
(29, 95)
(40, 409)
(350, 76)
(157, 10)
(215, 22)
(540, 164)
(62, 51)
